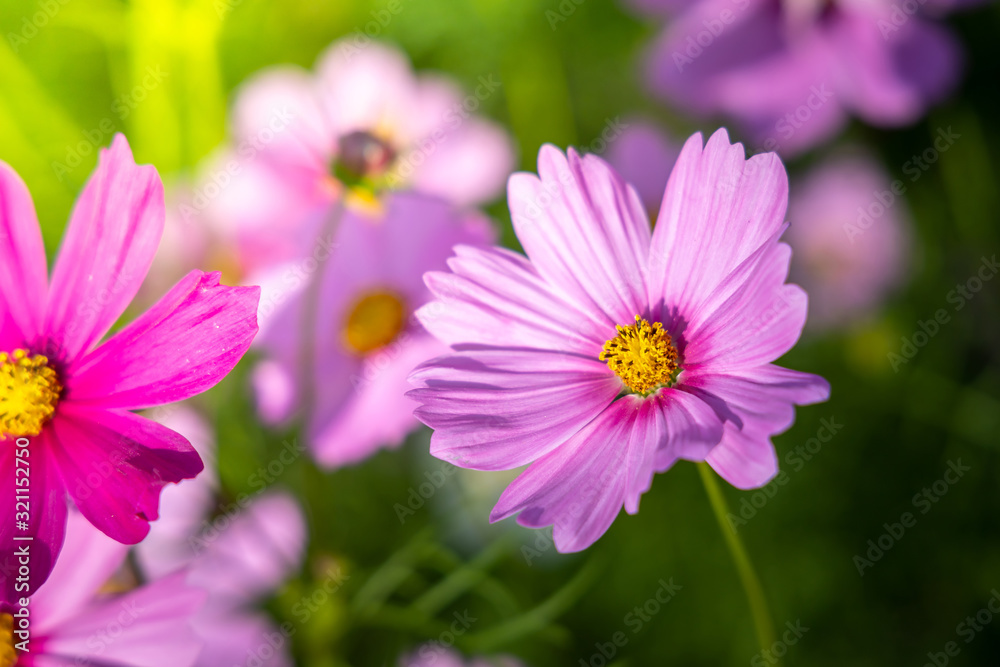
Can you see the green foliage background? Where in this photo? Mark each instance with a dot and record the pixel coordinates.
(404, 581)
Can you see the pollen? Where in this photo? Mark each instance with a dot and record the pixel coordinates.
(8, 654)
(643, 356)
(376, 320)
(29, 392)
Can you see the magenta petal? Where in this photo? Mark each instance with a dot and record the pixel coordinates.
(47, 513)
(498, 409)
(241, 638)
(159, 633)
(495, 297)
(188, 341)
(585, 231)
(23, 273)
(717, 210)
(88, 560)
(116, 464)
(580, 487)
(108, 248)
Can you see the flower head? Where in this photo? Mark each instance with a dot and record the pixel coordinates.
(614, 350)
(792, 73)
(65, 397)
(357, 321)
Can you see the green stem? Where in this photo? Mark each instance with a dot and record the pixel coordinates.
(751, 584)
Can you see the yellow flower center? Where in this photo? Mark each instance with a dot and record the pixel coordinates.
(29, 392)
(8, 654)
(375, 321)
(642, 355)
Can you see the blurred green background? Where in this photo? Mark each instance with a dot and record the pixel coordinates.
(80, 76)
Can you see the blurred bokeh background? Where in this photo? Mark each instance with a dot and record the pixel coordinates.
(163, 72)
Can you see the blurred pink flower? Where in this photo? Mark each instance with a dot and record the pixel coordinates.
(238, 557)
(643, 156)
(613, 350)
(791, 73)
(71, 396)
(362, 124)
(434, 654)
(76, 620)
(851, 234)
(364, 339)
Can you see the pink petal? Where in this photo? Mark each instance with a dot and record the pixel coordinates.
(580, 487)
(717, 210)
(87, 562)
(378, 413)
(497, 409)
(23, 273)
(117, 463)
(241, 638)
(46, 509)
(108, 248)
(495, 297)
(156, 628)
(183, 345)
(585, 231)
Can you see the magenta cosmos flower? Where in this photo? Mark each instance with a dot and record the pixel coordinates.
(791, 73)
(851, 233)
(238, 554)
(85, 613)
(65, 397)
(613, 350)
(362, 124)
(359, 329)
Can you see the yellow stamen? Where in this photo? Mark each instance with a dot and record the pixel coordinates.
(29, 392)
(375, 321)
(8, 654)
(642, 355)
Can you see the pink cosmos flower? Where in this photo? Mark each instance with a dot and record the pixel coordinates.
(791, 73)
(238, 557)
(612, 351)
(362, 124)
(77, 618)
(68, 395)
(851, 235)
(358, 322)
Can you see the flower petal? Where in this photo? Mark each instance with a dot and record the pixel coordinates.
(495, 297)
(496, 409)
(585, 231)
(717, 210)
(188, 341)
(580, 487)
(116, 464)
(45, 505)
(23, 273)
(109, 246)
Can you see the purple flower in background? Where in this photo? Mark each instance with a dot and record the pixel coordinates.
(850, 232)
(613, 350)
(65, 397)
(237, 558)
(791, 73)
(363, 124)
(435, 655)
(76, 618)
(359, 327)
(643, 156)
